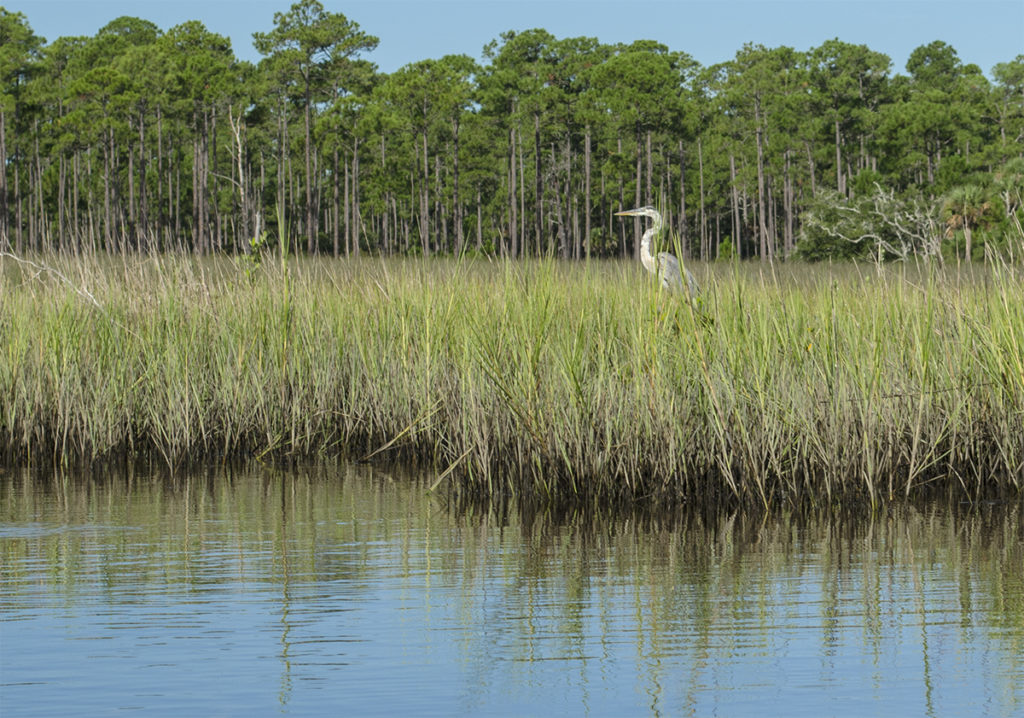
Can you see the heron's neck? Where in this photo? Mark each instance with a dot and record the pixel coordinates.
(646, 258)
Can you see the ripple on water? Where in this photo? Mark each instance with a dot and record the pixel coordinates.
(340, 593)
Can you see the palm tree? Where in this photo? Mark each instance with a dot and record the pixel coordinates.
(966, 207)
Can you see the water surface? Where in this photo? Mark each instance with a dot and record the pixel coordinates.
(349, 590)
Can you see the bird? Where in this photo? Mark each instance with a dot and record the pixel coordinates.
(664, 266)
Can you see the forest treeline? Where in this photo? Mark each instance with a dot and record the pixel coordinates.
(143, 139)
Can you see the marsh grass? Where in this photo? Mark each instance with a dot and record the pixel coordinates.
(797, 384)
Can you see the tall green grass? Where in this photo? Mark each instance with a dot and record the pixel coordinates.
(798, 384)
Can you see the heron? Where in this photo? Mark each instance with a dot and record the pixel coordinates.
(664, 266)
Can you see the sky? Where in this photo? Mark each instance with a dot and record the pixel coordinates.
(983, 32)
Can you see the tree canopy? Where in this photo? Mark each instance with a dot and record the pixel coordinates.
(145, 139)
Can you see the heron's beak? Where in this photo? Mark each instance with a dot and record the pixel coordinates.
(626, 213)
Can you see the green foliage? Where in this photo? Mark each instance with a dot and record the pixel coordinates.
(968, 208)
(19, 46)
(829, 231)
(866, 182)
(725, 250)
(951, 172)
(253, 260)
(142, 139)
(934, 66)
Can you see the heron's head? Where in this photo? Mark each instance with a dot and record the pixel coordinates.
(640, 212)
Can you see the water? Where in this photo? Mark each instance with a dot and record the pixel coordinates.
(351, 592)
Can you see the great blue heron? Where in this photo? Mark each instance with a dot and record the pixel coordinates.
(665, 266)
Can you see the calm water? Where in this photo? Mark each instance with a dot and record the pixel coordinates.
(350, 592)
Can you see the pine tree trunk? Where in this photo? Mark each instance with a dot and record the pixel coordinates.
(560, 233)
(143, 214)
(348, 211)
(132, 217)
(637, 226)
(522, 197)
(206, 243)
(650, 170)
(310, 226)
(160, 221)
(538, 209)
(455, 187)
(683, 233)
(440, 224)
(840, 185)
(209, 165)
(335, 234)
(357, 220)
(513, 206)
(61, 204)
(700, 196)
(761, 202)
(425, 200)
(282, 197)
(197, 231)
(810, 166)
(570, 228)
(586, 194)
(479, 223)
(36, 233)
(76, 228)
(107, 171)
(787, 200)
(174, 200)
(3, 178)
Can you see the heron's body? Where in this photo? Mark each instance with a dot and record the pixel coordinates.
(663, 265)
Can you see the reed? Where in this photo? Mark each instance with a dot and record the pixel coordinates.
(789, 385)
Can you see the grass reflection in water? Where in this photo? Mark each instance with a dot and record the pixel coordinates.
(350, 588)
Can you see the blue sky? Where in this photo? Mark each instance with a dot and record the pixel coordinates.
(983, 32)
